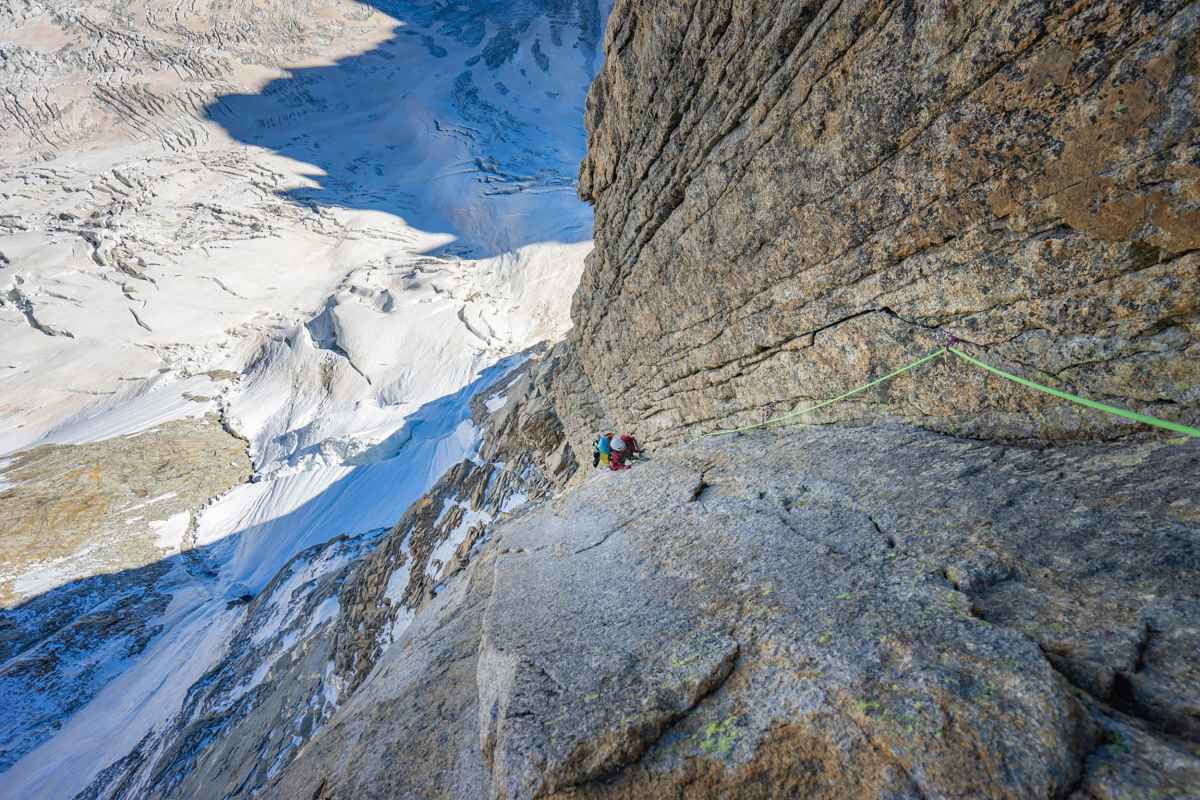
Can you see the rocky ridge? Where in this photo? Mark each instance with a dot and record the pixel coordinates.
(306, 644)
(833, 612)
(805, 613)
(523, 458)
(885, 611)
(809, 196)
(251, 210)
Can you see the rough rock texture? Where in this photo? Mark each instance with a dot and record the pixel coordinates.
(876, 612)
(791, 198)
(412, 731)
(72, 511)
(827, 613)
(86, 535)
(324, 630)
(523, 457)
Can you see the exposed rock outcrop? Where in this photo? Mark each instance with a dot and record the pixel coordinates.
(883, 612)
(824, 612)
(792, 198)
(310, 641)
(86, 532)
(71, 511)
(272, 689)
(523, 457)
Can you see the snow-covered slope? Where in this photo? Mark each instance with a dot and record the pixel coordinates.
(328, 224)
(434, 161)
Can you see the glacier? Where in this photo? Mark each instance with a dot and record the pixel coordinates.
(328, 225)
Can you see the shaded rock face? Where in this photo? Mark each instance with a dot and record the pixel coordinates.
(93, 537)
(792, 198)
(57, 650)
(245, 718)
(523, 457)
(805, 614)
(322, 633)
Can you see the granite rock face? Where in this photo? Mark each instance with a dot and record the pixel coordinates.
(804, 614)
(874, 612)
(809, 191)
(791, 198)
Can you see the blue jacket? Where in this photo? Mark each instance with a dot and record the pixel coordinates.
(604, 446)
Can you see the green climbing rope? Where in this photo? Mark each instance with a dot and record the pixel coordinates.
(1083, 401)
(851, 393)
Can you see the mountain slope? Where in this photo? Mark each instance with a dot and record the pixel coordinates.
(875, 612)
(313, 232)
(420, 593)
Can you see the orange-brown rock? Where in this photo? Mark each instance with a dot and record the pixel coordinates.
(793, 198)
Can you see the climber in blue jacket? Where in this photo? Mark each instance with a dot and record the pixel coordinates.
(601, 450)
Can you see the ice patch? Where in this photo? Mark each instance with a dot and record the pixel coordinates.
(170, 533)
(513, 502)
(446, 550)
(496, 402)
(404, 618)
(285, 604)
(158, 499)
(331, 685)
(281, 759)
(324, 613)
(397, 583)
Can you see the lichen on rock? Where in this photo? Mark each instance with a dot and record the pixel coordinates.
(825, 620)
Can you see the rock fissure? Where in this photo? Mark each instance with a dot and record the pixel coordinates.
(789, 199)
(953, 320)
(25, 306)
(663, 728)
(934, 166)
(889, 756)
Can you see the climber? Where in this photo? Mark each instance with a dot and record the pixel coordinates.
(624, 448)
(601, 449)
(632, 448)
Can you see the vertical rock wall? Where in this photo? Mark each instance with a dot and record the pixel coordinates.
(795, 197)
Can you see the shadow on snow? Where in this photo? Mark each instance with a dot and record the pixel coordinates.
(468, 121)
(59, 650)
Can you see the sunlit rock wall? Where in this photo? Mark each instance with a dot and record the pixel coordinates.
(793, 198)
